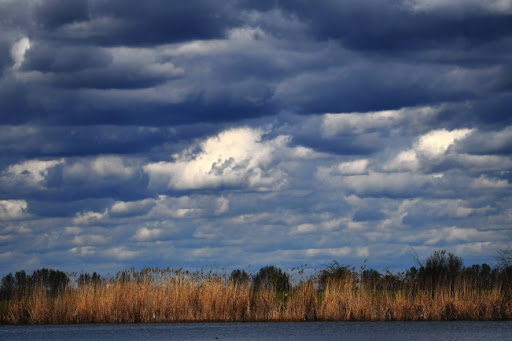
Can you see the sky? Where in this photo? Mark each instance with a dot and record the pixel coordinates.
(238, 134)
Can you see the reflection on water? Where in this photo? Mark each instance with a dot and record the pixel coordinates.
(267, 331)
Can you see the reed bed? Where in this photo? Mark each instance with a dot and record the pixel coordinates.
(159, 296)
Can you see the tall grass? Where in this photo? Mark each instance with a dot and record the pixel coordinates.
(154, 295)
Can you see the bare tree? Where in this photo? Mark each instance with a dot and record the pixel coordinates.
(504, 258)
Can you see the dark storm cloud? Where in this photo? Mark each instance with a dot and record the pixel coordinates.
(35, 141)
(266, 74)
(373, 87)
(493, 110)
(13, 100)
(5, 55)
(134, 22)
(394, 25)
(489, 142)
(116, 23)
(92, 67)
(44, 57)
(368, 214)
(337, 90)
(68, 208)
(55, 13)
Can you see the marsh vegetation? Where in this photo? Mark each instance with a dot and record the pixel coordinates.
(438, 288)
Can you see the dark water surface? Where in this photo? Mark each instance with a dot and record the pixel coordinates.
(266, 331)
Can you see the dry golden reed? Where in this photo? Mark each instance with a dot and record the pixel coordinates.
(180, 296)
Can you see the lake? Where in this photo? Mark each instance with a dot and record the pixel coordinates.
(459, 330)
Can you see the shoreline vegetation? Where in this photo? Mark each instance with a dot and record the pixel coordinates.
(439, 288)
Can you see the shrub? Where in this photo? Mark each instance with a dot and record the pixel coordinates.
(239, 278)
(272, 278)
(334, 273)
(439, 269)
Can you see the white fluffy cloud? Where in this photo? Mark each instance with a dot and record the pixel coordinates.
(353, 167)
(427, 148)
(457, 6)
(90, 239)
(452, 208)
(452, 234)
(144, 234)
(83, 250)
(222, 205)
(339, 252)
(121, 253)
(89, 217)
(101, 166)
(132, 207)
(355, 123)
(31, 172)
(12, 209)
(405, 160)
(484, 182)
(373, 183)
(18, 52)
(185, 206)
(437, 142)
(237, 157)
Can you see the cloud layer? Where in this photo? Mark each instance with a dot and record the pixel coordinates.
(237, 133)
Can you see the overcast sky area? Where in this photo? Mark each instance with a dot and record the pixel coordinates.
(240, 134)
